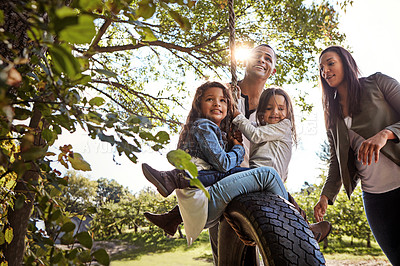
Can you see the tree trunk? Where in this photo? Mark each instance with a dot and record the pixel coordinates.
(18, 219)
(369, 240)
(16, 25)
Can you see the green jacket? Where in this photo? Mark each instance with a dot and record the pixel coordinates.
(380, 108)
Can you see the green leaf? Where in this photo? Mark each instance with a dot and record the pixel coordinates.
(20, 167)
(162, 137)
(85, 239)
(67, 227)
(108, 73)
(147, 34)
(49, 136)
(67, 238)
(84, 256)
(78, 163)
(183, 22)
(9, 235)
(91, 5)
(56, 258)
(146, 9)
(21, 114)
(71, 254)
(97, 101)
(106, 138)
(65, 11)
(55, 215)
(91, 210)
(102, 256)
(64, 61)
(1, 17)
(157, 147)
(34, 153)
(181, 160)
(195, 182)
(146, 135)
(80, 33)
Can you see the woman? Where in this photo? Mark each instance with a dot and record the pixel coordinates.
(362, 117)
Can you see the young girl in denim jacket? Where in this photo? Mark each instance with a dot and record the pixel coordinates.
(202, 137)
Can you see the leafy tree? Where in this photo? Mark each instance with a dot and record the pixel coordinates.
(79, 194)
(109, 191)
(90, 63)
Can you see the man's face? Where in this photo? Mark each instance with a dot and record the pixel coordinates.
(261, 62)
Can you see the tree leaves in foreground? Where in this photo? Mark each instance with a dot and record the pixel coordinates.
(116, 69)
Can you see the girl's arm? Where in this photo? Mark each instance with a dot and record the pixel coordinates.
(261, 134)
(205, 133)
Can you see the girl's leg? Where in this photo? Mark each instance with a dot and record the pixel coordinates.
(383, 218)
(258, 179)
(210, 177)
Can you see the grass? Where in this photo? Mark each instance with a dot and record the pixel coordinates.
(344, 249)
(156, 249)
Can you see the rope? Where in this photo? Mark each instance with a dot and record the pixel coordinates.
(232, 47)
(244, 238)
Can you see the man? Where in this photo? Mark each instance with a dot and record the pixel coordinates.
(259, 67)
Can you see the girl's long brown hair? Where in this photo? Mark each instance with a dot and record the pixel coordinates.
(263, 103)
(195, 113)
(330, 97)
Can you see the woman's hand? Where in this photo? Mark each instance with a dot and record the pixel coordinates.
(373, 145)
(320, 208)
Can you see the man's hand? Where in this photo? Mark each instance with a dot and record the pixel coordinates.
(373, 145)
(238, 136)
(236, 112)
(320, 208)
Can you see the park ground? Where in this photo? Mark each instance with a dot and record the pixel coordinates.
(157, 249)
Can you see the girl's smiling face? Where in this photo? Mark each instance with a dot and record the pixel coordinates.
(276, 110)
(213, 105)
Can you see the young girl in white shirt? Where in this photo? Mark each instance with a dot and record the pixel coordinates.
(271, 145)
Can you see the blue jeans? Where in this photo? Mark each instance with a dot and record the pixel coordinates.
(257, 179)
(210, 177)
(383, 217)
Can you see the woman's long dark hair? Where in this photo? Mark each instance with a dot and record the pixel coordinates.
(263, 103)
(330, 97)
(195, 113)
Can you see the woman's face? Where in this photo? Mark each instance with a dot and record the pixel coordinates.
(331, 68)
(214, 105)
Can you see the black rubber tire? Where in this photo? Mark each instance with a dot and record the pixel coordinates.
(281, 234)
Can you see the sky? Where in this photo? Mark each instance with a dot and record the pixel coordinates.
(372, 29)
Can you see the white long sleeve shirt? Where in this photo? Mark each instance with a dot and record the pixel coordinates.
(271, 144)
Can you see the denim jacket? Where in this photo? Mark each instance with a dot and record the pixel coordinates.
(205, 141)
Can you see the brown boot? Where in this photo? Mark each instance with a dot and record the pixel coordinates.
(166, 181)
(168, 221)
(320, 230)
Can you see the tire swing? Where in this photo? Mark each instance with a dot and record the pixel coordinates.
(262, 228)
